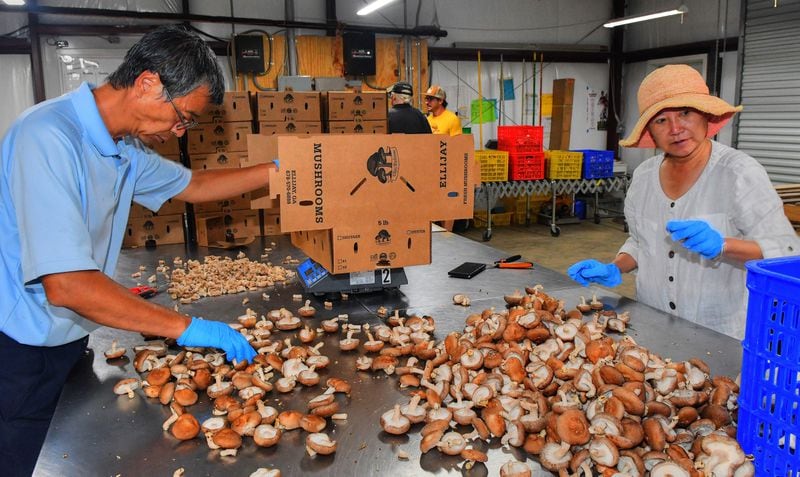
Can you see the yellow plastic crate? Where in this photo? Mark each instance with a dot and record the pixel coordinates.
(564, 164)
(494, 165)
(498, 219)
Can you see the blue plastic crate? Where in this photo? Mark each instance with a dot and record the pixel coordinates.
(597, 164)
(769, 399)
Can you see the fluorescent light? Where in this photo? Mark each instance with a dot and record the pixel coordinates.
(649, 16)
(373, 6)
(14, 2)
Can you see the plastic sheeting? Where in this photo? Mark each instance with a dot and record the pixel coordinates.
(16, 95)
(166, 6)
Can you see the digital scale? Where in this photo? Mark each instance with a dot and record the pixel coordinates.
(319, 281)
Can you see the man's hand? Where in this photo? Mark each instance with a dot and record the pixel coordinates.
(217, 335)
(697, 236)
(592, 271)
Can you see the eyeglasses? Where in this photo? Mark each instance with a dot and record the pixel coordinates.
(183, 123)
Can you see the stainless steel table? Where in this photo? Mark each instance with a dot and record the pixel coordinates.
(95, 432)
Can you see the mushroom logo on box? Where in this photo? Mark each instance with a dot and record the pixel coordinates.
(383, 237)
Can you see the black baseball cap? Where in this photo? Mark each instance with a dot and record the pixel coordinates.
(402, 88)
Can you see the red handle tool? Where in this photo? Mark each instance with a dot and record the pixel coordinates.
(511, 262)
(144, 291)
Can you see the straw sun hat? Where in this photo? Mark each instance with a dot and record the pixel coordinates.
(676, 86)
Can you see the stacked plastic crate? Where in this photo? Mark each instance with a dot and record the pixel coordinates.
(525, 154)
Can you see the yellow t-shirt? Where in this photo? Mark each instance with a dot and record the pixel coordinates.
(445, 123)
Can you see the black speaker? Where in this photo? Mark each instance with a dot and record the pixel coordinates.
(359, 53)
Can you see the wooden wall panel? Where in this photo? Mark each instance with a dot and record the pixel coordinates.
(319, 56)
(322, 56)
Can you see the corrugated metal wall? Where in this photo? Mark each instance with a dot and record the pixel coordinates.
(769, 126)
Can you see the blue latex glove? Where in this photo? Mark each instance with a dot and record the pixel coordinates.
(592, 271)
(277, 163)
(217, 335)
(697, 236)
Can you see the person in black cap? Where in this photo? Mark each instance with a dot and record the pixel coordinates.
(404, 118)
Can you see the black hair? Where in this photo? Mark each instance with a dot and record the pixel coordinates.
(182, 60)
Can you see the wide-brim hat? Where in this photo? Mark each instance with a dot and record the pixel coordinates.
(676, 86)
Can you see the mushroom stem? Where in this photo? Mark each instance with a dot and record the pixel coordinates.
(170, 420)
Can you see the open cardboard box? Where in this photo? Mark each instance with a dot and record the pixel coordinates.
(367, 203)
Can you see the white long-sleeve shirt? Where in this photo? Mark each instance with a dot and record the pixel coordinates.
(735, 196)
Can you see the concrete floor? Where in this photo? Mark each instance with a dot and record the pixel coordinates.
(576, 242)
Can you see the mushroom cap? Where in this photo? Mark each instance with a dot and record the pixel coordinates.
(213, 424)
(555, 456)
(227, 439)
(668, 469)
(572, 427)
(320, 443)
(266, 435)
(603, 451)
(312, 423)
(515, 468)
(186, 427)
(124, 386)
(185, 396)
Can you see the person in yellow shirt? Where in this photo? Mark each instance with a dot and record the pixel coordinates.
(442, 120)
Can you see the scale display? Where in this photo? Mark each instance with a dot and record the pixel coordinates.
(311, 272)
(318, 280)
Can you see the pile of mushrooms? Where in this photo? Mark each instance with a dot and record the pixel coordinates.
(554, 383)
(237, 391)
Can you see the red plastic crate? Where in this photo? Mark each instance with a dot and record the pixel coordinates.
(520, 139)
(526, 167)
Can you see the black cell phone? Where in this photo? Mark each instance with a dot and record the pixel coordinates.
(467, 270)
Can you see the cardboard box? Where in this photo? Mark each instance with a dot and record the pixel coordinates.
(368, 204)
(289, 127)
(227, 227)
(358, 127)
(222, 160)
(219, 137)
(349, 105)
(160, 230)
(563, 90)
(367, 246)
(241, 202)
(235, 107)
(271, 222)
(560, 127)
(170, 207)
(288, 106)
(169, 148)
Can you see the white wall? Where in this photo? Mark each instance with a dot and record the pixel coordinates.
(704, 21)
(460, 81)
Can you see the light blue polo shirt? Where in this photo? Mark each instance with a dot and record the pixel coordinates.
(65, 192)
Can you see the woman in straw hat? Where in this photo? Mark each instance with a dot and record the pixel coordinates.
(696, 212)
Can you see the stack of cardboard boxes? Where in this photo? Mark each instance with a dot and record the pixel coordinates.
(164, 226)
(148, 228)
(288, 112)
(356, 112)
(220, 142)
(563, 90)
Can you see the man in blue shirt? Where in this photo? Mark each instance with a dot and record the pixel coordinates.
(69, 169)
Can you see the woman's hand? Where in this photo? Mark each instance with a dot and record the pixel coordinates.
(697, 236)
